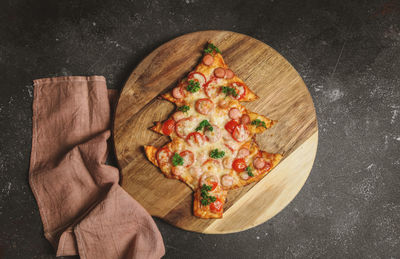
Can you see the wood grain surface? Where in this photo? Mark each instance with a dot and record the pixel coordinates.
(283, 97)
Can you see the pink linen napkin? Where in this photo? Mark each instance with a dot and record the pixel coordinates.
(83, 209)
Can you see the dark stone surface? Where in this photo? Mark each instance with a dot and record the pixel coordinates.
(348, 53)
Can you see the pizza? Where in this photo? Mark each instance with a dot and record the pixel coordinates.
(213, 147)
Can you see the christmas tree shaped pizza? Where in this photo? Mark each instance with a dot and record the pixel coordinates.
(213, 148)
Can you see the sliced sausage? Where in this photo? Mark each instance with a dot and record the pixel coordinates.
(208, 60)
(229, 74)
(219, 72)
(213, 136)
(227, 162)
(245, 119)
(177, 116)
(204, 106)
(244, 175)
(177, 170)
(259, 163)
(227, 180)
(196, 171)
(243, 152)
(235, 113)
(223, 104)
(177, 93)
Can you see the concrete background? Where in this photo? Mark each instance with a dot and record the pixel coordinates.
(348, 53)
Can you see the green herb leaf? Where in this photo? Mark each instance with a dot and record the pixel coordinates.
(216, 154)
(193, 86)
(258, 123)
(184, 108)
(204, 124)
(177, 160)
(211, 48)
(206, 198)
(249, 171)
(229, 91)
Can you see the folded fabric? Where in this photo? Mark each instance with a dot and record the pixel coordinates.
(83, 209)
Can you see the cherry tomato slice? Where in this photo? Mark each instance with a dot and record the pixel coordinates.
(204, 106)
(239, 165)
(163, 155)
(188, 157)
(240, 133)
(240, 89)
(231, 125)
(216, 206)
(168, 127)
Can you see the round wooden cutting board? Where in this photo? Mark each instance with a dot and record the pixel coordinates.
(283, 97)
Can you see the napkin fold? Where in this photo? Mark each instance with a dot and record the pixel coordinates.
(83, 209)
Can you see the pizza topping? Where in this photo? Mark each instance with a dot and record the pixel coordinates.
(239, 165)
(229, 91)
(177, 170)
(223, 104)
(211, 180)
(259, 163)
(184, 126)
(240, 90)
(197, 77)
(231, 125)
(229, 74)
(177, 93)
(210, 88)
(177, 116)
(208, 60)
(188, 158)
(168, 127)
(244, 175)
(214, 135)
(211, 48)
(163, 155)
(249, 171)
(216, 206)
(206, 125)
(177, 160)
(227, 180)
(227, 162)
(195, 138)
(204, 106)
(235, 114)
(258, 123)
(243, 152)
(219, 72)
(206, 198)
(217, 154)
(193, 86)
(245, 119)
(184, 108)
(240, 133)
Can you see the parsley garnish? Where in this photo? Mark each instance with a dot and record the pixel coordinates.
(193, 86)
(184, 108)
(229, 91)
(216, 154)
(204, 124)
(210, 48)
(177, 160)
(206, 198)
(258, 123)
(249, 171)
